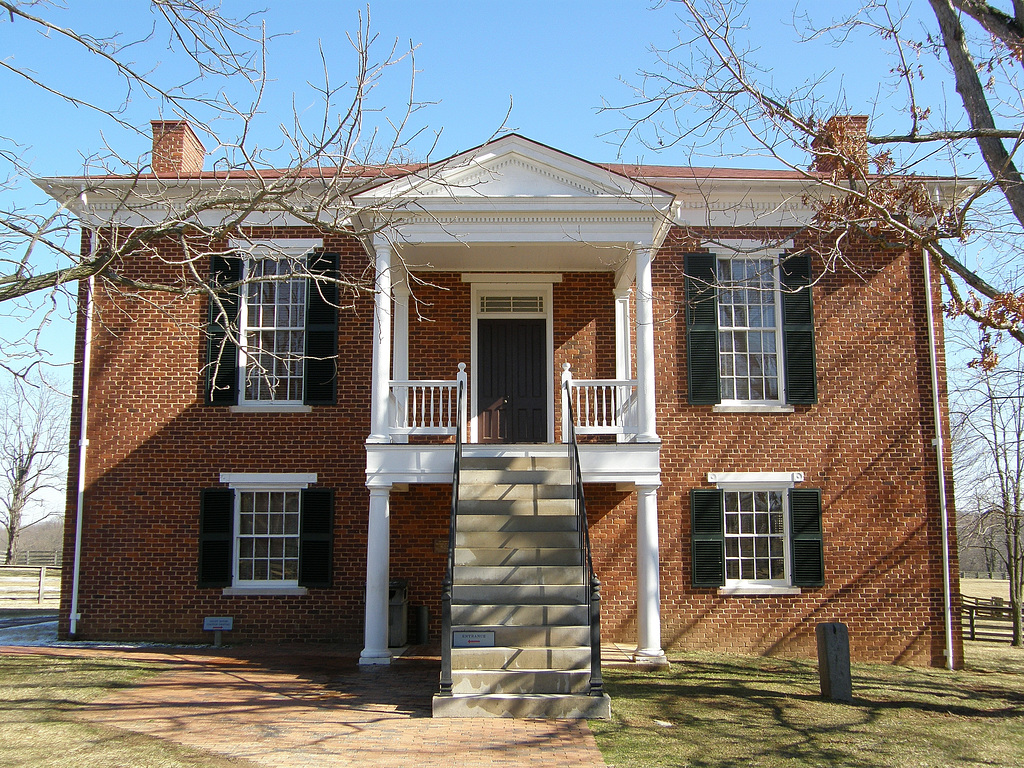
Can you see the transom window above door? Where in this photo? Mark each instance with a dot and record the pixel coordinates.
(511, 304)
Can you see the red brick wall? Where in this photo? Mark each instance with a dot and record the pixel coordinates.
(866, 444)
(154, 445)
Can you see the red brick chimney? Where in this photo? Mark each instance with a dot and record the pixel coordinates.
(842, 136)
(176, 148)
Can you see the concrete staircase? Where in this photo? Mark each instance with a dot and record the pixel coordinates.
(519, 598)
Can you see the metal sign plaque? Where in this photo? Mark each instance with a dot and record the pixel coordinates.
(482, 639)
(215, 623)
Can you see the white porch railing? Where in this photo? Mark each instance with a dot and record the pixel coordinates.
(602, 406)
(425, 407)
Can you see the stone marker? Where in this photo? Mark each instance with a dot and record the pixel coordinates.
(834, 661)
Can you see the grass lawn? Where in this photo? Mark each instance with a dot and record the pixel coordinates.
(716, 710)
(39, 697)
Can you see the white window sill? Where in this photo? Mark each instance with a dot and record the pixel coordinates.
(261, 590)
(752, 408)
(755, 590)
(271, 408)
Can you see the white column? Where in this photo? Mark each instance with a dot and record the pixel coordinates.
(381, 343)
(645, 345)
(378, 549)
(648, 580)
(623, 347)
(400, 350)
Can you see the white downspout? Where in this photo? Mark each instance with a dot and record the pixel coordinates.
(940, 459)
(83, 443)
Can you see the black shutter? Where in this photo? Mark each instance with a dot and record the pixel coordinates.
(221, 352)
(216, 519)
(798, 330)
(707, 537)
(321, 362)
(316, 535)
(807, 542)
(702, 377)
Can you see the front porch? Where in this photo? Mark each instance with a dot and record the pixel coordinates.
(536, 269)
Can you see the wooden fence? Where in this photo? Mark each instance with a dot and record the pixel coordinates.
(987, 618)
(39, 557)
(23, 583)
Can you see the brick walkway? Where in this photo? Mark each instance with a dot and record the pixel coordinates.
(310, 707)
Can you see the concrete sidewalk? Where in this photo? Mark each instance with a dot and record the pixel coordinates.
(311, 706)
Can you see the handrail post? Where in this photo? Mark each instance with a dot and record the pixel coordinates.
(596, 681)
(463, 387)
(445, 688)
(566, 400)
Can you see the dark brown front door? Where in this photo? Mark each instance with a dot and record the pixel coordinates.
(512, 381)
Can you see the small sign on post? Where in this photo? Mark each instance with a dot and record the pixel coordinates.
(218, 624)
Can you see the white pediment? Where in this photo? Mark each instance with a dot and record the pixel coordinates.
(513, 167)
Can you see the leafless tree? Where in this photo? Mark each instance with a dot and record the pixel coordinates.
(988, 441)
(710, 90)
(33, 457)
(306, 176)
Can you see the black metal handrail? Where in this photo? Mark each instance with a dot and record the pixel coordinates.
(589, 575)
(445, 688)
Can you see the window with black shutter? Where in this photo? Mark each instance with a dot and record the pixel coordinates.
(798, 330)
(216, 540)
(221, 351)
(702, 375)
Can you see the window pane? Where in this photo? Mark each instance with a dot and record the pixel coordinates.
(272, 331)
(755, 543)
(748, 303)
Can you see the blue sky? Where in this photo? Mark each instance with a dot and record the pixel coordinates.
(556, 62)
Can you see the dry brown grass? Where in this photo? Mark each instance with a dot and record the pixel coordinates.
(716, 710)
(986, 588)
(41, 696)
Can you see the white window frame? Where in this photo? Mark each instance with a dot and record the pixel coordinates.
(292, 250)
(752, 250)
(243, 482)
(780, 482)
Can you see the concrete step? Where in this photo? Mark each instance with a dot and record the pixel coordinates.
(527, 681)
(518, 574)
(517, 540)
(549, 706)
(520, 477)
(517, 463)
(515, 522)
(519, 594)
(489, 616)
(511, 490)
(505, 657)
(532, 556)
(531, 635)
(531, 506)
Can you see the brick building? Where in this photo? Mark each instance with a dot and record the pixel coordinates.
(756, 428)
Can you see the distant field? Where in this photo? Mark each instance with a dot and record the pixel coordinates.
(985, 588)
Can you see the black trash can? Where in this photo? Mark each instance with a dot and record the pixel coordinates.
(398, 612)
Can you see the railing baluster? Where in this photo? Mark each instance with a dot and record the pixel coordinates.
(603, 406)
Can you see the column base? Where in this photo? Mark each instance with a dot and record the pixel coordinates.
(650, 657)
(371, 658)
